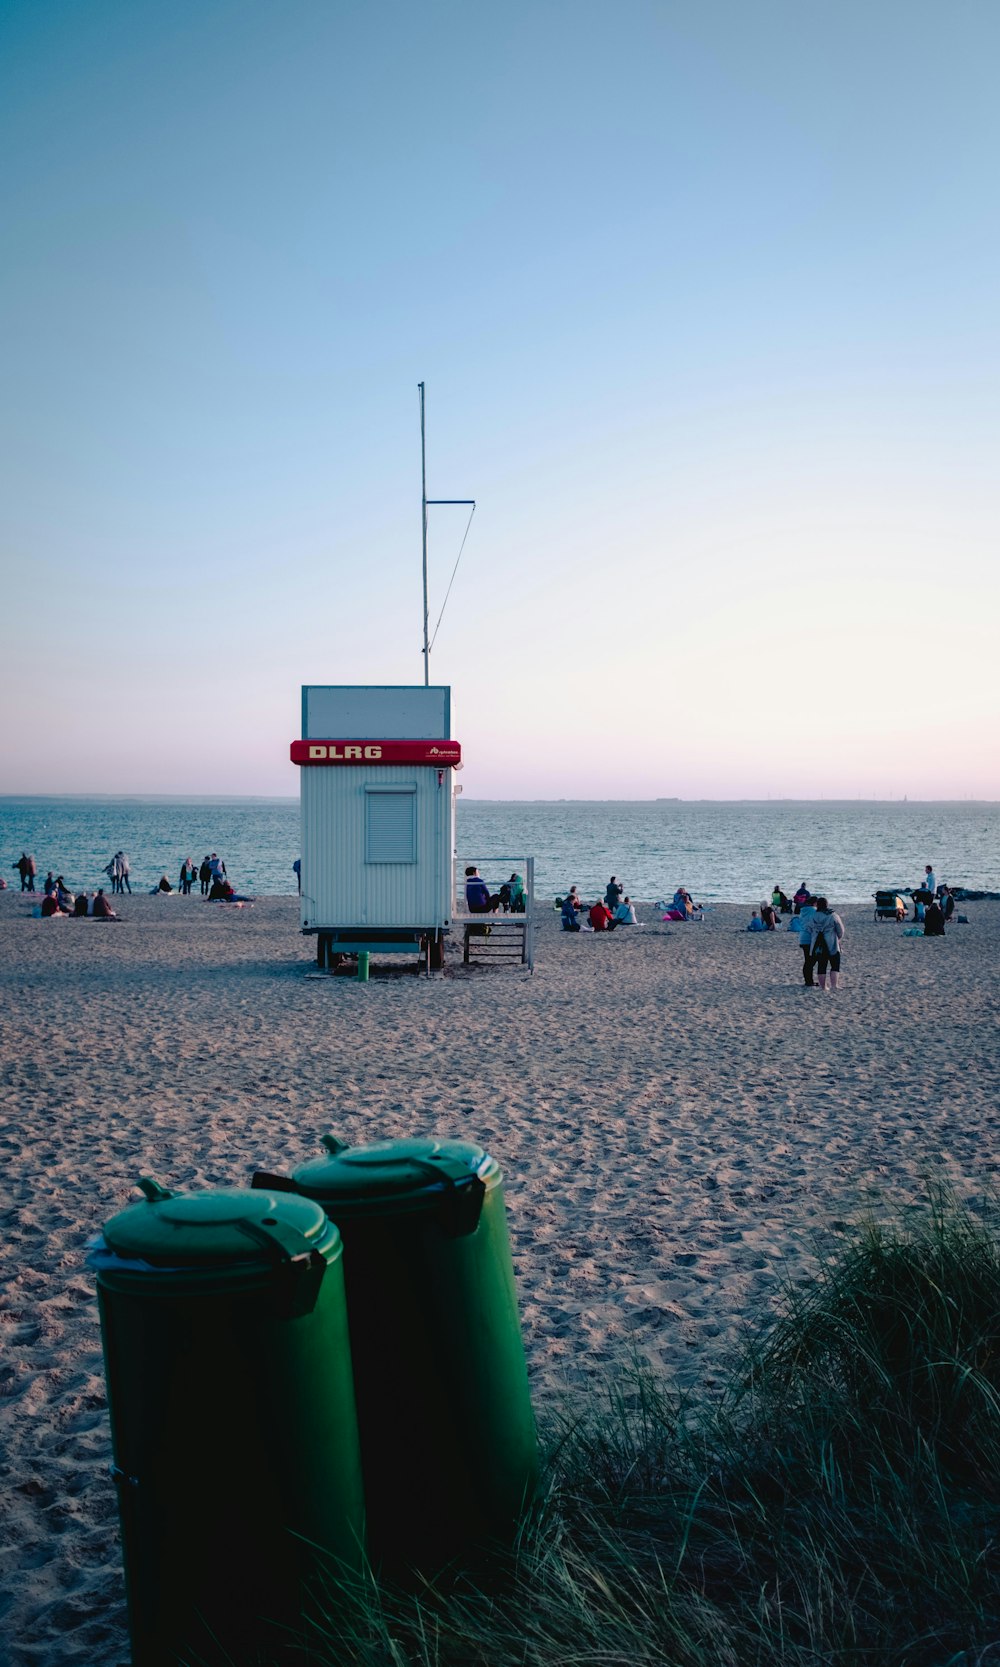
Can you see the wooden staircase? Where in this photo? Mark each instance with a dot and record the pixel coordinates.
(496, 939)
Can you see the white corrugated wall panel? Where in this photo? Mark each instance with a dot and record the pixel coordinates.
(339, 888)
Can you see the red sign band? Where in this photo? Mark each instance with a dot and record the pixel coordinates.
(441, 753)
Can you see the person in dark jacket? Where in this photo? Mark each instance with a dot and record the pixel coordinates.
(477, 893)
(27, 869)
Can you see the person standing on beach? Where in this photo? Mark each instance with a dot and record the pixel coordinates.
(826, 937)
(205, 875)
(123, 872)
(186, 877)
(930, 880)
(803, 921)
(614, 894)
(27, 868)
(297, 871)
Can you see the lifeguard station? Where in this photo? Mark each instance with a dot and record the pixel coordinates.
(378, 820)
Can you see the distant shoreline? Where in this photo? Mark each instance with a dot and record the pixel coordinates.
(293, 799)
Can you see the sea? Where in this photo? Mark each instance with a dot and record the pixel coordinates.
(722, 851)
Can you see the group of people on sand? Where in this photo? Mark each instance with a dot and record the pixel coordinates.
(683, 907)
(606, 914)
(59, 902)
(820, 932)
(212, 877)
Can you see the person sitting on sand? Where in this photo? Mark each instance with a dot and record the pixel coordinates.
(51, 906)
(779, 901)
(684, 907)
(769, 917)
(80, 906)
(801, 896)
(601, 918)
(625, 913)
(162, 885)
(571, 906)
(756, 924)
(64, 895)
(102, 908)
(50, 884)
(947, 902)
(934, 920)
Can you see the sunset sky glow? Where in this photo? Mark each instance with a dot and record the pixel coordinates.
(705, 299)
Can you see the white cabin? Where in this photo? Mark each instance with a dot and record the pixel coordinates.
(378, 833)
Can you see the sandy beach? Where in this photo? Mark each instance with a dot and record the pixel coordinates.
(677, 1118)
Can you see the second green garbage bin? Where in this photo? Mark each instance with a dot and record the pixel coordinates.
(448, 1440)
(232, 1416)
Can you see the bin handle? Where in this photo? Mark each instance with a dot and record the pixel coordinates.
(264, 1181)
(152, 1191)
(299, 1265)
(462, 1203)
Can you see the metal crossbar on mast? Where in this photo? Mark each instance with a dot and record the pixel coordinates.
(425, 504)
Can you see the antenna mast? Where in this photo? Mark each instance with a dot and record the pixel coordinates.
(425, 501)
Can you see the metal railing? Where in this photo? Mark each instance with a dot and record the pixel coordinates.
(526, 920)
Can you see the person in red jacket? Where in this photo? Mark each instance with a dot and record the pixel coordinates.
(601, 918)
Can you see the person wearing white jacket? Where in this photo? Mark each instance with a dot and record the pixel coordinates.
(824, 944)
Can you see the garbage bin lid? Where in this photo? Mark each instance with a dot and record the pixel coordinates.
(405, 1172)
(212, 1229)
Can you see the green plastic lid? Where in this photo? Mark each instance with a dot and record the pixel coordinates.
(211, 1230)
(407, 1174)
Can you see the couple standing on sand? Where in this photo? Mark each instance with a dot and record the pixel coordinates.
(118, 873)
(820, 935)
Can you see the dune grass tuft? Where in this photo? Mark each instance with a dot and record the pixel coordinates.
(840, 1504)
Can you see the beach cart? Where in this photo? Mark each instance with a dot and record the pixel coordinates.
(889, 906)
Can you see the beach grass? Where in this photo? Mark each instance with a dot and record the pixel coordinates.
(839, 1502)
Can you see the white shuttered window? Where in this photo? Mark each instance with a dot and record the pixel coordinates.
(391, 824)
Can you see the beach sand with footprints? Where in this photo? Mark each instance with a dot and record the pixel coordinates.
(680, 1123)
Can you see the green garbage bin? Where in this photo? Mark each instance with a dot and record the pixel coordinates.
(448, 1441)
(233, 1422)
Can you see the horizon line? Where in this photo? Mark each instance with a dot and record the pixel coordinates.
(293, 798)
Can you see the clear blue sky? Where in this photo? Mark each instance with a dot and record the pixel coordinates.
(705, 298)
